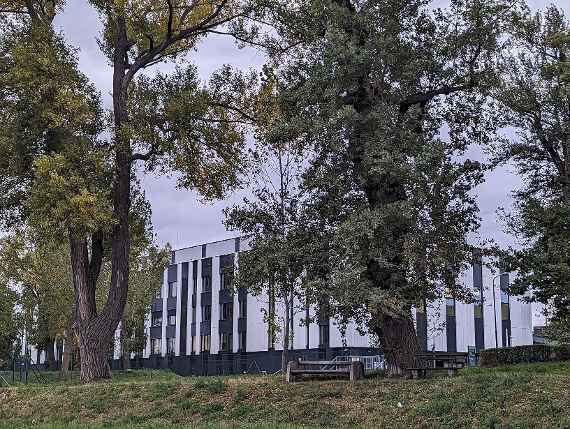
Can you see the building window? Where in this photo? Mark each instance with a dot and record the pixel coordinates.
(227, 311)
(242, 308)
(155, 346)
(450, 306)
(192, 345)
(205, 343)
(206, 312)
(206, 284)
(172, 319)
(227, 280)
(242, 340)
(226, 342)
(172, 290)
(170, 345)
(195, 286)
(156, 319)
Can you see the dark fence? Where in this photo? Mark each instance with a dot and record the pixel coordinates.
(266, 362)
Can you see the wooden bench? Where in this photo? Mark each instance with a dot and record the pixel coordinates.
(296, 369)
(422, 372)
(438, 361)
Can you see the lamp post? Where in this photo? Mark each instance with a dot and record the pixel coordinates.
(495, 307)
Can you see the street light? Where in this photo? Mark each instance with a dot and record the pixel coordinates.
(495, 307)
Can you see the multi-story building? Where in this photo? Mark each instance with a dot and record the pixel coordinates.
(199, 325)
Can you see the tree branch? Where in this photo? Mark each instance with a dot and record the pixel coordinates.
(424, 97)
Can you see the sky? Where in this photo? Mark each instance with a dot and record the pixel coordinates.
(179, 217)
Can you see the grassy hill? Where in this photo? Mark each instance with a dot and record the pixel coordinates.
(521, 396)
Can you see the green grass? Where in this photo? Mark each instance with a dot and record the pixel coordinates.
(522, 396)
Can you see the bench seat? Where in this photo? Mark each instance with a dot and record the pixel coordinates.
(417, 372)
(355, 370)
(320, 371)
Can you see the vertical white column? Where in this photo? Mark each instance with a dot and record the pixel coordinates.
(189, 308)
(164, 296)
(178, 309)
(215, 319)
(147, 322)
(197, 341)
(117, 342)
(235, 335)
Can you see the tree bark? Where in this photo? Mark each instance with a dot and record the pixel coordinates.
(94, 332)
(94, 347)
(398, 341)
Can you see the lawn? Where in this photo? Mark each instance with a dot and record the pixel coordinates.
(523, 396)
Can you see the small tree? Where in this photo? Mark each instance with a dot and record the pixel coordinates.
(42, 273)
(274, 264)
(8, 321)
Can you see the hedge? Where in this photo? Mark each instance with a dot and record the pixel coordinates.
(524, 354)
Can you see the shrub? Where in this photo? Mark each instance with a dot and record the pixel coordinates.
(525, 354)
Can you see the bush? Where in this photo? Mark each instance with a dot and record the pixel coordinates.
(524, 354)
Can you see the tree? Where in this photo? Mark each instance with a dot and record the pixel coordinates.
(535, 94)
(375, 82)
(42, 274)
(273, 265)
(41, 270)
(169, 123)
(8, 321)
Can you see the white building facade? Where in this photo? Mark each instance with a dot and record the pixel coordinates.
(198, 325)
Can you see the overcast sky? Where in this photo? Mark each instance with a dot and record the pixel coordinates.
(178, 216)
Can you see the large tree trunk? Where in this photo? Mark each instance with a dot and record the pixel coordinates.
(94, 332)
(94, 347)
(398, 341)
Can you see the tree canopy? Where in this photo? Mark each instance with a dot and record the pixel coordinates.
(534, 91)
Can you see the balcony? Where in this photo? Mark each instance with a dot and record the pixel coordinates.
(226, 326)
(171, 303)
(206, 298)
(157, 304)
(171, 331)
(205, 328)
(226, 296)
(156, 332)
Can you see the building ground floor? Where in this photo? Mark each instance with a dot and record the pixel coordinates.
(266, 362)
